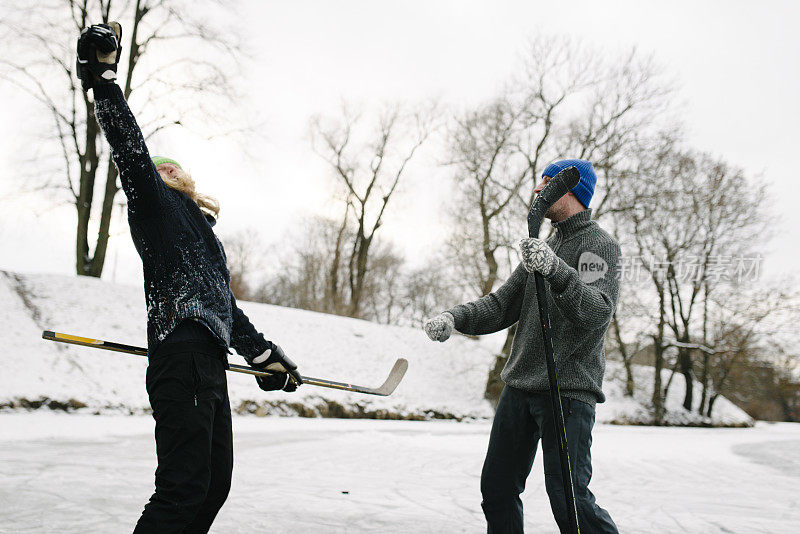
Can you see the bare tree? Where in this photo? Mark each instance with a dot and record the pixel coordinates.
(383, 292)
(176, 64)
(744, 331)
(686, 214)
(307, 269)
(728, 225)
(308, 276)
(785, 388)
(427, 290)
(628, 97)
(368, 164)
(489, 172)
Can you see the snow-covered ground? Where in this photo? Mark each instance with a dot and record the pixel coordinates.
(443, 378)
(92, 474)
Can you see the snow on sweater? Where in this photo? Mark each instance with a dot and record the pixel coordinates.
(184, 264)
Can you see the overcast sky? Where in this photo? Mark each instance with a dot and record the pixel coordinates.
(735, 62)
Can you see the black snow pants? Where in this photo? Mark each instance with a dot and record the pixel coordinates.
(194, 442)
(522, 419)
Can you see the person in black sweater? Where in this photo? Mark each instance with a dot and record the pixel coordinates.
(192, 316)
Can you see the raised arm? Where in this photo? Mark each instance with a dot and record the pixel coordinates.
(98, 54)
(140, 180)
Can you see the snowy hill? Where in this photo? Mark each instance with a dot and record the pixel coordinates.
(443, 380)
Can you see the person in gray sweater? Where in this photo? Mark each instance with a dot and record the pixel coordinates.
(579, 262)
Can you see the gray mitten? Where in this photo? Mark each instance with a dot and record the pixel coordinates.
(440, 327)
(537, 256)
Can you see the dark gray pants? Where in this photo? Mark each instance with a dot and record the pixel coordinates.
(522, 419)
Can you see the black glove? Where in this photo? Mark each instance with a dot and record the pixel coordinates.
(99, 49)
(275, 382)
(273, 360)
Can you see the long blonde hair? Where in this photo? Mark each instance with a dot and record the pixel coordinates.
(182, 181)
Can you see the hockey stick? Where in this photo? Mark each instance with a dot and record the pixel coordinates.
(384, 390)
(558, 186)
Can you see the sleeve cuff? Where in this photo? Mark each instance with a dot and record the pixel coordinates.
(250, 348)
(107, 91)
(559, 280)
(459, 316)
(260, 346)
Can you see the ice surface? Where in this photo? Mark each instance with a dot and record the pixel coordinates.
(92, 474)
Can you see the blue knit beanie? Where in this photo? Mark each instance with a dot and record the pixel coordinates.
(585, 188)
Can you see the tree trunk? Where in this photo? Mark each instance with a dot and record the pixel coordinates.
(685, 359)
(626, 359)
(669, 380)
(711, 401)
(98, 261)
(356, 289)
(658, 399)
(491, 275)
(704, 382)
(333, 299)
(83, 204)
(706, 356)
(494, 384)
(658, 364)
(629, 385)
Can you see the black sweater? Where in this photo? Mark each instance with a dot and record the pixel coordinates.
(185, 275)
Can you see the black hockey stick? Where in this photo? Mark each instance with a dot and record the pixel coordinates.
(558, 186)
(384, 390)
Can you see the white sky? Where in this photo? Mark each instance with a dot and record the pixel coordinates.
(737, 65)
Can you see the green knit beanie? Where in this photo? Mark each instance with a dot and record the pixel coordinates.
(158, 160)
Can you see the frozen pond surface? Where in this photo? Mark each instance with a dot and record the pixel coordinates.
(92, 474)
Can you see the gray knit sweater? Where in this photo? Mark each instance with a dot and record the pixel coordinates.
(582, 295)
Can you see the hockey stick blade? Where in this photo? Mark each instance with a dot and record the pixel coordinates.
(384, 390)
(561, 184)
